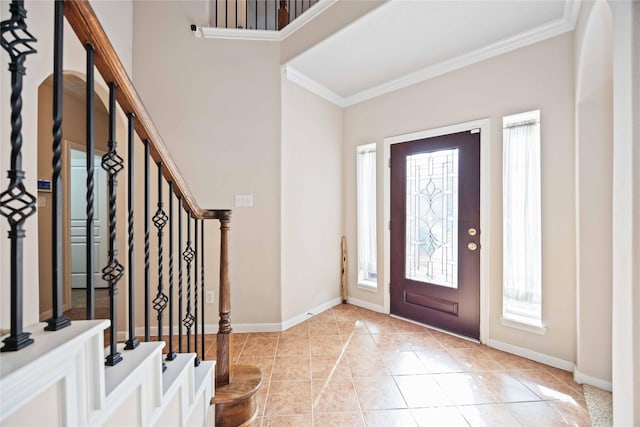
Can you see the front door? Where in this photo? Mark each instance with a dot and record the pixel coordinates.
(435, 235)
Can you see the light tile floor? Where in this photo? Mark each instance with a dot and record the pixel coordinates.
(351, 367)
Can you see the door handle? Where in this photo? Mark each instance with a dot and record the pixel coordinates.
(472, 246)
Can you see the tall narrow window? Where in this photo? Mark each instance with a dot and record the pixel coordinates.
(521, 259)
(367, 247)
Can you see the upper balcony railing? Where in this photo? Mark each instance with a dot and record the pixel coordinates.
(270, 15)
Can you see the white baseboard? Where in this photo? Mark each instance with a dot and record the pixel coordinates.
(582, 378)
(366, 304)
(253, 327)
(310, 313)
(533, 355)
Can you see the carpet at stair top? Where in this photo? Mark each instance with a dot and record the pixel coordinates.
(599, 403)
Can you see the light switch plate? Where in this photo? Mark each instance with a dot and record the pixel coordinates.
(244, 200)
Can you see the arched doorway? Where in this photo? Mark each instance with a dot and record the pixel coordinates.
(74, 194)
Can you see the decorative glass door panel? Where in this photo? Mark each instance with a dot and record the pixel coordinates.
(432, 218)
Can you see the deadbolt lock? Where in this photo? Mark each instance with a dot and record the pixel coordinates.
(472, 231)
(472, 246)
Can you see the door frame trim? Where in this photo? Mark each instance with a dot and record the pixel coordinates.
(485, 138)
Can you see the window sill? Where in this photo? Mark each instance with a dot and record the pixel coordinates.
(527, 327)
(368, 286)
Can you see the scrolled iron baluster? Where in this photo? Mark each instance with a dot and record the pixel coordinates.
(202, 284)
(58, 320)
(195, 294)
(89, 209)
(16, 203)
(188, 255)
(112, 163)
(160, 219)
(179, 274)
(132, 342)
(171, 354)
(147, 243)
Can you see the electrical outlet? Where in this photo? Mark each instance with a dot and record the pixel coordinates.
(209, 297)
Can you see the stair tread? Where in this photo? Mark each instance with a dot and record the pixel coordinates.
(131, 359)
(203, 373)
(174, 370)
(244, 381)
(47, 344)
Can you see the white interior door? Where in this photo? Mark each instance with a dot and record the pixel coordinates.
(78, 219)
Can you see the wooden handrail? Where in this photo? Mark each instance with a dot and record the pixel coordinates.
(88, 29)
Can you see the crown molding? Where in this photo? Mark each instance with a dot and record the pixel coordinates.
(535, 35)
(264, 35)
(307, 16)
(237, 34)
(543, 32)
(571, 11)
(312, 86)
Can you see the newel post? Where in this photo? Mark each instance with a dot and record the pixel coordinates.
(223, 344)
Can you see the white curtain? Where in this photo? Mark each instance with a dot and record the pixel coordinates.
(521, 218)
(367, 251)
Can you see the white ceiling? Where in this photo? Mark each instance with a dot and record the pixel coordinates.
(406, 41)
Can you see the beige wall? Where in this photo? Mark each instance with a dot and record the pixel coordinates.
(217, 105)
(539, 76)
(311, 200)
(116, 17)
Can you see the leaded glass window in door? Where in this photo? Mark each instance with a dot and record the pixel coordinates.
(432, 218)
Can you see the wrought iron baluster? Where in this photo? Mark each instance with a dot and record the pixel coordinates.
(195, 293)
(58, 320)
(188, 258)
(159, 221)
(203, 350)
(179, 274)
(147, 251)
(90, 168)
(171, 354)
(112, 163)
(132, 342)
(16, 203)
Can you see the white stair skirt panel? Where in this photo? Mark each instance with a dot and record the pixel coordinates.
(61, 380)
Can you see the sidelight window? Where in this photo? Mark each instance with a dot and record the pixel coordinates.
(366, 211)
(521, 259)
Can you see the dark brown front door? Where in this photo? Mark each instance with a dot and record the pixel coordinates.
(435, 235)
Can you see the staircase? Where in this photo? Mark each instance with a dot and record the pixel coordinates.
(62, 380)
(62, 372)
